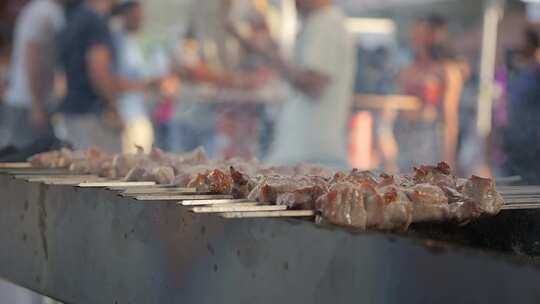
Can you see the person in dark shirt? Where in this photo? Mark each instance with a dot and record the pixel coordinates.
(89, 109)
(522, 137)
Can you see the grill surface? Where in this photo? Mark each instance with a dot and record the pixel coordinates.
(83, 245)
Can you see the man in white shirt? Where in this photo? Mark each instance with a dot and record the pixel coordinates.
(32, 71)
(312, 124)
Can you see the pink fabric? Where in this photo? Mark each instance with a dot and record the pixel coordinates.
(165, 111)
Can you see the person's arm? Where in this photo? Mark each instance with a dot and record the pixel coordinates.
(37, 78)
(108, 85)
(37, 35)
(308, 81)
(454, 88)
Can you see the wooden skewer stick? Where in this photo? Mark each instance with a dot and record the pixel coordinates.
(141, 188)
(246, 207)
(114, 184)
(161, 190)
(36, 171)
(37, 178)
(66, 182)
(15, 165)
(269, 214)
(212, 202)
(162, 197)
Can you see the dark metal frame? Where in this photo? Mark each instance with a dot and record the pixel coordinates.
(93, 246)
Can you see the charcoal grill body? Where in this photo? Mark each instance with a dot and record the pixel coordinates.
(93, 246)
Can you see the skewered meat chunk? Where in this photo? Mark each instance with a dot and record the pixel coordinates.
(429, 203)
(344, 205)
(55, 159)
(215, 181)
(302, 190)
(482, 192)
(124, 163)
(374, 205)
(436, 175)
(242, 183)
(356, 177)
(363, 207)
(93, 162)
(398, 209)
(163, 175)
(302, 198)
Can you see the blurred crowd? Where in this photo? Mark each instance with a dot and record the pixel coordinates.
(75, 73)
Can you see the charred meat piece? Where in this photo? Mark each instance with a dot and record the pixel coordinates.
(343, 205)
(242, 183)
(215, 181)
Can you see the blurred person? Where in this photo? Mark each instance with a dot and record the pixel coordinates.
(30, 90)
(216, 60)
(89, 109)
(456, 72)
(429, 134)
(522, 138)
(138, 130)
(311, 126)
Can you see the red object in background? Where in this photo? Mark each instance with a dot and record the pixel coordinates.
(237, 133)
(361, 141)
(432, 91)
(165, 111)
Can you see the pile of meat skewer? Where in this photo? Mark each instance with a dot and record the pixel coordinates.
(355, 199)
